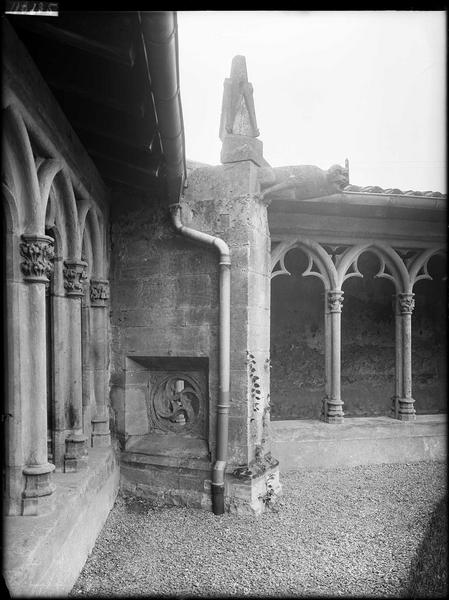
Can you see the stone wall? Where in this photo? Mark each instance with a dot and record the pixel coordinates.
(368, 345)
(164, 301)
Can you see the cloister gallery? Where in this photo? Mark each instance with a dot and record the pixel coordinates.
(149, 301)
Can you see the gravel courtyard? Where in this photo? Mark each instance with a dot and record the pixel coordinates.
(349, 532)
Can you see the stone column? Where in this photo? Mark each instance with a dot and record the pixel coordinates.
(327, 357)
(99, 295)
(87, 371)
(333, 405)
(76, 448)
(404, 409)
(38, 253)
(398, 358)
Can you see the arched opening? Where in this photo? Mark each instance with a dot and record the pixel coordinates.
(429, 340)
(297, 342)
(367, 341)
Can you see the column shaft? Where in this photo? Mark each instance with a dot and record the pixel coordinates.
(38, 254)
(99, 295)
(333, 409)
(398, 359)
(76, 447)
(406, 410)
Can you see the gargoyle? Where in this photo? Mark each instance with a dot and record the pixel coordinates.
(309, 181)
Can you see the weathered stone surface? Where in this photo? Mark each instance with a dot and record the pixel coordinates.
(136, 410)
(237, 148)
(46, 554)
(238, 115)
(254, 494)
(372, 440)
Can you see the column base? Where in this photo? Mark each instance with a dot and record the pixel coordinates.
(100, 440)
(38, 485)
(333, 419)
(332, 411)
(394, 407)
(253, 489)
(101, 436)
(404, 409)
(75, 458)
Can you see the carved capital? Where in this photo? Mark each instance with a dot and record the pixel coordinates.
(75, 276)
(38, 252)
(99, 292)
(335, 300)
(406, 303)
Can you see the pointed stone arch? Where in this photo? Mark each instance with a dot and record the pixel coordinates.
(388, 257)
(92, 226)
(68, 211)
(46, 173)
(316, 255)
(19, 171)
(10, 209)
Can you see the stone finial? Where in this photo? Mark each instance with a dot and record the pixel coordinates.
(238, 115)
(238, 126)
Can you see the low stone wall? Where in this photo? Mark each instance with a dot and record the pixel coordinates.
(46, 553)
(308, 445)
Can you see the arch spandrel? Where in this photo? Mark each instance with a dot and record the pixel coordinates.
(419, 265)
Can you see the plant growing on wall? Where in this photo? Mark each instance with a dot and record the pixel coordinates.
(255, 383)
(269, 497)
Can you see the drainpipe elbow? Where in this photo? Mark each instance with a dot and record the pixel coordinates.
(223, 248)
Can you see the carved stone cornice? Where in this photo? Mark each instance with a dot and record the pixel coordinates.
(99, 292)
(335, 301)
(75, 276)
(406, 303)
(38, 252)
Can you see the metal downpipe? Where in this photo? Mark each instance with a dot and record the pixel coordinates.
(224, 343)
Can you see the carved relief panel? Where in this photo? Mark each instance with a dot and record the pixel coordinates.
(177, 402)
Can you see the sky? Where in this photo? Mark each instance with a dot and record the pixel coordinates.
(364, 85)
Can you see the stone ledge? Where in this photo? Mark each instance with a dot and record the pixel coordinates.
(45, 554)
(313, 445)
